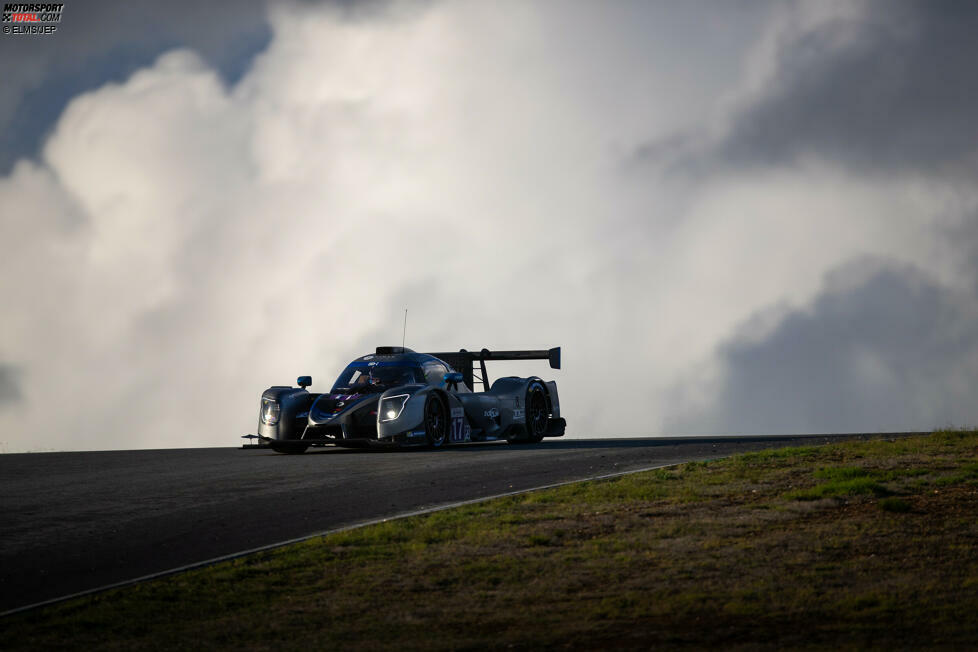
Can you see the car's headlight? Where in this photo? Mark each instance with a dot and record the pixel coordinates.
(270, 411)
(391, 406)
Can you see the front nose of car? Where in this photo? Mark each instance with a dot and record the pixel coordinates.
(329, 406)
(324, 409)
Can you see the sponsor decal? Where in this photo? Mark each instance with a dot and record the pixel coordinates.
(416, 433)
(491, 413)
(519, 415)
(457, 412)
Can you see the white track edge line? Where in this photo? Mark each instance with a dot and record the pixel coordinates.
(307, 537)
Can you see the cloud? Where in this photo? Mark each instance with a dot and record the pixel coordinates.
(883, 348)
(881, 97)
(184, 241)
(108, 41)
(879, 87)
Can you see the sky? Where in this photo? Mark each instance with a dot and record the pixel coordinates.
(737, 217)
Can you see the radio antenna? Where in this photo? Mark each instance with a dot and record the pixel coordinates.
(404, 332)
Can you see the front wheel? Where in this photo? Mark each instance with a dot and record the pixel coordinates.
(435, 421)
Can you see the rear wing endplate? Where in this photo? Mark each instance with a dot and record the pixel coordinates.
(464, 361)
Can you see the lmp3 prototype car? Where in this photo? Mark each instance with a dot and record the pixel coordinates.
(398, 397)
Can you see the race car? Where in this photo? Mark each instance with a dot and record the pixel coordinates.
(397, 397)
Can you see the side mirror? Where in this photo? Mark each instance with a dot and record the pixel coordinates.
(453, 379)
(303, 381)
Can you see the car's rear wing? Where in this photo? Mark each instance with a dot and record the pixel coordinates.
(464, 361)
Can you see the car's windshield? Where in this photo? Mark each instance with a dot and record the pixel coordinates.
(361, 377)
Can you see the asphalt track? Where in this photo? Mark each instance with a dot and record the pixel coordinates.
(72, 522)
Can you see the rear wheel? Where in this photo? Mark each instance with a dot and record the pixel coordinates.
(435, 421)
(536, 413)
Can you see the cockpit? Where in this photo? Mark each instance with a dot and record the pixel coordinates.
(361, 377)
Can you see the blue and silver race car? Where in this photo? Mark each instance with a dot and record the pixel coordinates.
(398, 397)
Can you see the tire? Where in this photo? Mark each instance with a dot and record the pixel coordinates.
(290, 448)
(536, 413)
(435, 421)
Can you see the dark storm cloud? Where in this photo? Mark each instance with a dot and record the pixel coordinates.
(883, 348)
(99, 42)
(893, 89)
(9, 385)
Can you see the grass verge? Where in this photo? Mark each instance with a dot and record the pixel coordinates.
(869, 545)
